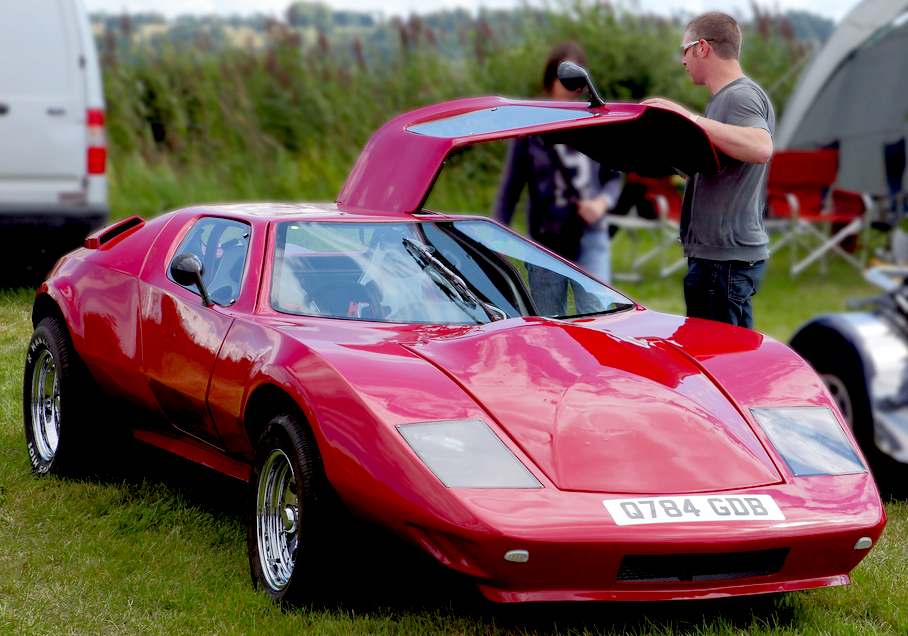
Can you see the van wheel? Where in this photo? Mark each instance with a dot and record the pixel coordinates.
(285, 510)
(56, 390)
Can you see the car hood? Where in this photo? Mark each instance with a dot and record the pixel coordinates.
(602, 412)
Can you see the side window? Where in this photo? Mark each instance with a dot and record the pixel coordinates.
(222, 246)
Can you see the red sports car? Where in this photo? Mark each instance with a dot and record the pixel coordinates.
(398, 359)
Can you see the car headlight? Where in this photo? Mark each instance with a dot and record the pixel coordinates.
(467, 454)
(810, 440)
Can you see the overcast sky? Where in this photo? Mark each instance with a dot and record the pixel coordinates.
(833, 9)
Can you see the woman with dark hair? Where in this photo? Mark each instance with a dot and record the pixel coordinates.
(569, 193)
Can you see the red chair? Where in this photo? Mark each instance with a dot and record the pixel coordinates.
(803, 205)
(663, 196)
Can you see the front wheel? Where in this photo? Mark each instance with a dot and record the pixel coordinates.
(284, 509)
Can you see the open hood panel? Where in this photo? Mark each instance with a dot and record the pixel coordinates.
(399, 165)
(654, 143)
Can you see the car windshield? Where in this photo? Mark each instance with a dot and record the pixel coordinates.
(453, 272)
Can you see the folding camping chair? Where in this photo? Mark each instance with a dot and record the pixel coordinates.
(665, 200)
(803, 205)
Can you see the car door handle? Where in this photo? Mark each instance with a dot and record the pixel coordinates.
(4, 108)
(56, 111)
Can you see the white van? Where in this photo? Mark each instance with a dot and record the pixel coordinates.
(53, 154)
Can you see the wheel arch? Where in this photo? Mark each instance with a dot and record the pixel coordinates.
(45, 306)
(818, 332)
(266, 401)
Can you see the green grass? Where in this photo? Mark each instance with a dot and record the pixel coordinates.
(158, 547)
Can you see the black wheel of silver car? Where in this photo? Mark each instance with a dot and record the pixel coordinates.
(840, 367)
(849, 391)
(842, 374)
(53, 394)
(840, 393)
(284, 509)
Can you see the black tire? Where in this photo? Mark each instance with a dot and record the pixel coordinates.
(283, 544)
(56, 397)
(840, 367)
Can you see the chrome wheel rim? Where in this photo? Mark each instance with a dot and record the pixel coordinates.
(277, 520)
(840, 395)
(45, 405)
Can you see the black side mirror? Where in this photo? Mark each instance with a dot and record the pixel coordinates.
(187, 270)
(575, 77)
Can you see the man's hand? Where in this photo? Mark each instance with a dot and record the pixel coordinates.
(591, 210)
(668, 104)
(744, 143)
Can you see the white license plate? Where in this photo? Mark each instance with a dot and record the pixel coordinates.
(686, 509)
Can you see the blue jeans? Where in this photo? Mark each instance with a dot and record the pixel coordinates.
(595, 256)
(722, 290)
(550, 290)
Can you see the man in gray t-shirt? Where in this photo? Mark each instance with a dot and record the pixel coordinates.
(722, 216)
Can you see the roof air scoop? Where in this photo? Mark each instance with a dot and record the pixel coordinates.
(575, 77)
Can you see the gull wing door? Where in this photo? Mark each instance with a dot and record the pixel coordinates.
(396, 170)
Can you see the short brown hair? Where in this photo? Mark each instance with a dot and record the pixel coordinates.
(560, 52)
(720, 30)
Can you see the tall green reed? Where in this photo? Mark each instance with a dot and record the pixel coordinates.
(285, 120)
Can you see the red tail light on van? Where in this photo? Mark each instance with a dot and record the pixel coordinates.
(97, 143)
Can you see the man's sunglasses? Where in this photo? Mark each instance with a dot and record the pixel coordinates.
(685, 47)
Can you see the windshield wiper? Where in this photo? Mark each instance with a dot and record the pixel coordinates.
(613, 309)
(449, 282)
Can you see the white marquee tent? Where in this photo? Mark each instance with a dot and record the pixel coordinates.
(855, 94)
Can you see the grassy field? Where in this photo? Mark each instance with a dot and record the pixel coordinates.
(157, 547)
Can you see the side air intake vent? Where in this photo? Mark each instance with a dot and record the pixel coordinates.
(109, 233)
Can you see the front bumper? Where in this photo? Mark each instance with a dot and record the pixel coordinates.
(576, 552)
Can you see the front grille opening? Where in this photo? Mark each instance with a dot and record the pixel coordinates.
(666, 568)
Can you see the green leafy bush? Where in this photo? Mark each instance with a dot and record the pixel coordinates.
(286, 120)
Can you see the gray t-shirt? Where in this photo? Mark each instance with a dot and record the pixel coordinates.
(722, 214)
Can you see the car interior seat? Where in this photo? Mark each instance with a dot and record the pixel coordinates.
(228, 273)
(333, 284)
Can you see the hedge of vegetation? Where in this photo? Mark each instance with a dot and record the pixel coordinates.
(285, 120)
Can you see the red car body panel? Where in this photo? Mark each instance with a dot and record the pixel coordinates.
(397, 168)
(553, 384)
(670, 399)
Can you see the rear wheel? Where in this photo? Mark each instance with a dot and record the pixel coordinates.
(55, 396)
(285, 510)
